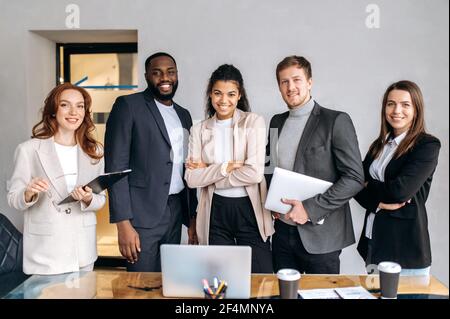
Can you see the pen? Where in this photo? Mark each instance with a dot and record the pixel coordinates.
(216, 283)
(224, 290)
(222, 284)
(206, 287)
(144, 288)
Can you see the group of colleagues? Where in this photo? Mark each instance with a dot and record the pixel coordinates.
(227, 159)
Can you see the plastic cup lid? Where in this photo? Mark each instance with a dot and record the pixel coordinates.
(288, 274)
(389, 267)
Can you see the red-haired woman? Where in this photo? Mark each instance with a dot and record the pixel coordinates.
(61, 157)
(399, 169)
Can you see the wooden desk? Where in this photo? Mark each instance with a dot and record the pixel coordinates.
(123, 285)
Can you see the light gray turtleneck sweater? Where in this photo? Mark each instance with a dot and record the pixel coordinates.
(290, 138)
(291, 134)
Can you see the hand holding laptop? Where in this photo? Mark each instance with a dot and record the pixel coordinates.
(295, 188)
(297, 213)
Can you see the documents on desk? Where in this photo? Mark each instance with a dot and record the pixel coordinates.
(291, 185)
(354, 293)
(357, 292)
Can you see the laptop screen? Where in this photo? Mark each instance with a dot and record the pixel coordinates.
(185, 266)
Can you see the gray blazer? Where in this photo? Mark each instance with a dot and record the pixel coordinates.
(328, 150)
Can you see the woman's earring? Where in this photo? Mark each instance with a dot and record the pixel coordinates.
(53, 115)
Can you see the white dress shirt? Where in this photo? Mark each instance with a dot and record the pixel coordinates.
(376, 171)
(175, 130)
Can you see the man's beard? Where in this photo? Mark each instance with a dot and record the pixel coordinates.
(162, 97)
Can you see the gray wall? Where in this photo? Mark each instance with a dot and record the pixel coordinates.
(352, 66)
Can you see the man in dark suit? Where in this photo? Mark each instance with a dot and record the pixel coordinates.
(147, 132)
(321, 143)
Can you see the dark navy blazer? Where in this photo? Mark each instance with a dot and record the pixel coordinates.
(136, 138)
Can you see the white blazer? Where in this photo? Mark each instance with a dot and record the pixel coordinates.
(53, 241)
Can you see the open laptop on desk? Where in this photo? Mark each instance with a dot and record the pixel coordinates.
(184, 267)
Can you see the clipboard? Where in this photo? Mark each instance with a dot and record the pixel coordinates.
(100, 183)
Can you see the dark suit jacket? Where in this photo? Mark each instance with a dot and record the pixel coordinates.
(136, 138)
(328, 150)
(401, 235)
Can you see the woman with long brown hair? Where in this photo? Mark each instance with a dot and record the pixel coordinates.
(62, 156)
(399, 168)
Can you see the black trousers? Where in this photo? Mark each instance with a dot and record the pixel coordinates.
(233, 222)
(168, 231)
(289, 252)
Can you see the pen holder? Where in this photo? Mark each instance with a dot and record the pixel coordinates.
(213, 295)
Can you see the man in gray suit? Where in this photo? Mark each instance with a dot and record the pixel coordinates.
(148, 133)
(321, 143)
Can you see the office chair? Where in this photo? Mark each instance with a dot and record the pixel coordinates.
(11, 255)
(10, 246)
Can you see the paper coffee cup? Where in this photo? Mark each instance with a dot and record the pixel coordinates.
(389, 278)
(288, 281)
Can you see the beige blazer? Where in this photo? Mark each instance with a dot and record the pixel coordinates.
(249, 139)
(54, 242)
